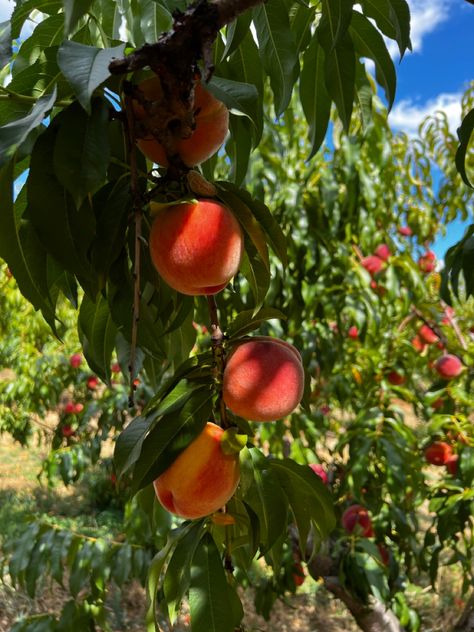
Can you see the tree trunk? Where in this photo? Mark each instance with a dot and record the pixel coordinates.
(371, 617)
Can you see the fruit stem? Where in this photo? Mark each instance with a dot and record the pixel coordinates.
(218, 355)
(138, 214)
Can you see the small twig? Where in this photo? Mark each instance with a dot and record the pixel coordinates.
(138, 214)
(218, 353)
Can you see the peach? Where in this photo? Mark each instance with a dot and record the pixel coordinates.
(211, 126)
(383, 252)
(448, 366)
(438, 453)
(353, 332)
(452, 464)
(406, 231)
(418, 344)
(373, 264)
(356, 519)
(263, 379)
(202, 479)
(319, 470)
(426, 261)
(395, 378)
(427, 335)
(196, 247)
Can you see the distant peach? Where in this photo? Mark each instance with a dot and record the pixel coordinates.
(427, 335)
(298, 574)
(263, 379)
(417, 344)
(395, 378)
(438, 453)
(319, 470)
(448, 366)
(92, 382)
(67, 431)
(406, 231)
(196, 247)
(452, 464)
(426, 262)
(383, 252)
(202, 479)
(69, 408)
(372, 264)
(356, 519)
(353, 332)
(75, 360)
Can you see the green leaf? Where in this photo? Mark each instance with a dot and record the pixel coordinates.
(5, 43)
(247, 321)
(97, 332)
(400, 15)
(339, 56)
(65, 232)
(24, 9)
(247, 219)
(236, 32)
(309, 499)
(464, 136)
(81, 151)
(459, 258)
(314, 96)
(277, 48)
(301, 24)
(74, 10)
(154, 575)
(171, 435)
(257, 274)
(265, 498)
(20, 248)
(14, 133)
(178, 572)
(239, 97)
(86, 68)
(238, 148)
(211, 598)
(369, 43)
(49, 33)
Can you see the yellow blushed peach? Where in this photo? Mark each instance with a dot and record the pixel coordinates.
(212, 123)
(263, 379)
(202, 479)
(196, 247)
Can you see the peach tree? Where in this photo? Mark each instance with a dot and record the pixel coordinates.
(92, 216)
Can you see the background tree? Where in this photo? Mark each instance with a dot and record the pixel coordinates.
(78, 231)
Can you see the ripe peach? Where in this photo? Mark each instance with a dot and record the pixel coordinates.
(406, 231)
(356, 520)
(75, 360)
(372, 264)
(418, 344)
(298, 574)
(452, 464)
(319, 470)
(202, 479)
(383, 252)
(67, 431)
(196, 247)
(427, 335)
(211, 125)
(426, 261)
(395, 378)
(448, 366)
(438, 453)
(353, 332)
(263, 379)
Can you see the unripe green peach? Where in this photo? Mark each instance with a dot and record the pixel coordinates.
(263, 379)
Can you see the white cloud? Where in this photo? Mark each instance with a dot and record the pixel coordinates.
(425, 18)
(408, 114)
(6, 9)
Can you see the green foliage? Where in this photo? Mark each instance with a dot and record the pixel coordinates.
(72, 238)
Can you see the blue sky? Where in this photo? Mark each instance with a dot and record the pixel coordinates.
(433, 77)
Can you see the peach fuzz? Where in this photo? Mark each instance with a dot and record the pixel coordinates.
(263, 379)
(202, 479)
(211, 119)
(196, 247)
